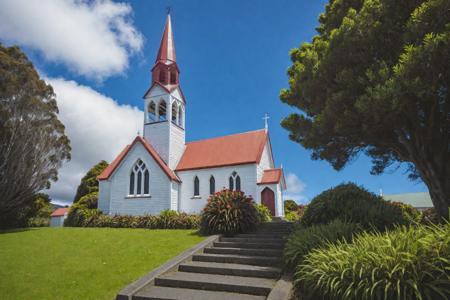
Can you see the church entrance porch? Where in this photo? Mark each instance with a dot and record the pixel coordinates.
(268, 199)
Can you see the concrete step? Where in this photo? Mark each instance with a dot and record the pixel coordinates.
(252, 240)
(230, 269)
(249, 245)
(239, 259)
(211, 282)
(244, 251)
(152, 292)
(261, 235)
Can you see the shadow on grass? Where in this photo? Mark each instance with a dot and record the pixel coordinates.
(13, 230)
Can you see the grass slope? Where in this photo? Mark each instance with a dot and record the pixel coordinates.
(83, 263)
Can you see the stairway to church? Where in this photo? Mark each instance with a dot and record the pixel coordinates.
(242, 267)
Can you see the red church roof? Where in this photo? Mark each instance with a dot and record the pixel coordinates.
(59, 212)
(236, 149)
(115, 163)
(271, 176)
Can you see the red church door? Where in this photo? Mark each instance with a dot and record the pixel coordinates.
(268, 199)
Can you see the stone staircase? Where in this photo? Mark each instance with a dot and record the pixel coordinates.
(243, 267)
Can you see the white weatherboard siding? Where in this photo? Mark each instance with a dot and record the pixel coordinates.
(279, 201)
(104, 196)
(176, 146)
(57, 221)
(191, 204)
(175, 196)
(157, 135)
(266, 161)
(160, 186)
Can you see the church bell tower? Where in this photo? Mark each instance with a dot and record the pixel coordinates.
(164, 120)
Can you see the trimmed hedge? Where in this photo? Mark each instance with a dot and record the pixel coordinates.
(305, 239)
(405, 263)
(83, 217)
(229, 212)
(354, 204)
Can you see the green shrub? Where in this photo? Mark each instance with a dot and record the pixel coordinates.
(79, 215)
(289, 205)
(89, 201)
(166, 220)
(38, 222)
(405, 263)
(229, 212)
(292, 216)
(264, 214)
(354, 204)
(409, 213)
(305, 239)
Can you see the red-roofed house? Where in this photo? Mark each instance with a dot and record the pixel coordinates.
(58, 217)
(161, 171)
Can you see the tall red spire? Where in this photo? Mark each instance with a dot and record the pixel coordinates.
(166, 51)
(165, 71)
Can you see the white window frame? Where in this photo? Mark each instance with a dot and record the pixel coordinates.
(142, 168)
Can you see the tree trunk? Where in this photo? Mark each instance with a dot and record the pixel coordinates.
(438, 186)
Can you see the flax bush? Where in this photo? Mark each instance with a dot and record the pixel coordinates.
(405, 263)
(229, 212)
(305, 239)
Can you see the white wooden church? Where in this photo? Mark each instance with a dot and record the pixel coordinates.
(161, 171)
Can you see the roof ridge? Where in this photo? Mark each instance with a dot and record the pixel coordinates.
(222, 136)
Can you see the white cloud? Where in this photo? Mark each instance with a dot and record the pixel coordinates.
(93, 38)
(295, 189)
(98, 128)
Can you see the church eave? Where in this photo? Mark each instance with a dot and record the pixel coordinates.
(216, 166)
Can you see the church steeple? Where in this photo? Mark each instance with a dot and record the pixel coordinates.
(167, 47)
(164, 118)
(165, 70)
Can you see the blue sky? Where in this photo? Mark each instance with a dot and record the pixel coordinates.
(233, 57)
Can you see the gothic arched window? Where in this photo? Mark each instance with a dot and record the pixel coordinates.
(234, 182)
(152, 111)
(162, 111)
(139, 179)
(174, 112)
(196, 186)
(212, 185)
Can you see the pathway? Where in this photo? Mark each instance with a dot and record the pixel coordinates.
(243, 267)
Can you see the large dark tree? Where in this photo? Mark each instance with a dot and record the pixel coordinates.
(32, 141)
(376, 79)
(89, 182)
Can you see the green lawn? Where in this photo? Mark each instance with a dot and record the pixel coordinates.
(83, 263)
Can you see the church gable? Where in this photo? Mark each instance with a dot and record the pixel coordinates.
(178, 94)
(138, 141)
(155, 90)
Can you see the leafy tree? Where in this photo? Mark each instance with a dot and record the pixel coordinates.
(376, 80)
(33, 144)
(41, 207)
(89, 182)
(290, 205)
